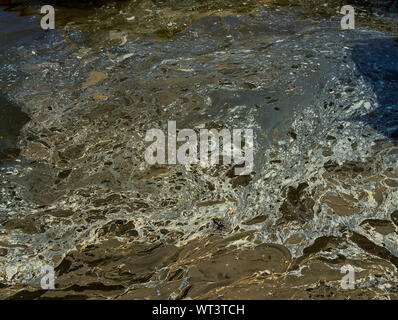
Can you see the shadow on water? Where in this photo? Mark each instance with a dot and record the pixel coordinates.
(12, 119)
(377, 61)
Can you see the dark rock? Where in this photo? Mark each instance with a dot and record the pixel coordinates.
(394, 217)
(3, 252)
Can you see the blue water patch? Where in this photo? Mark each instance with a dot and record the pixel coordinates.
(377, 61)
